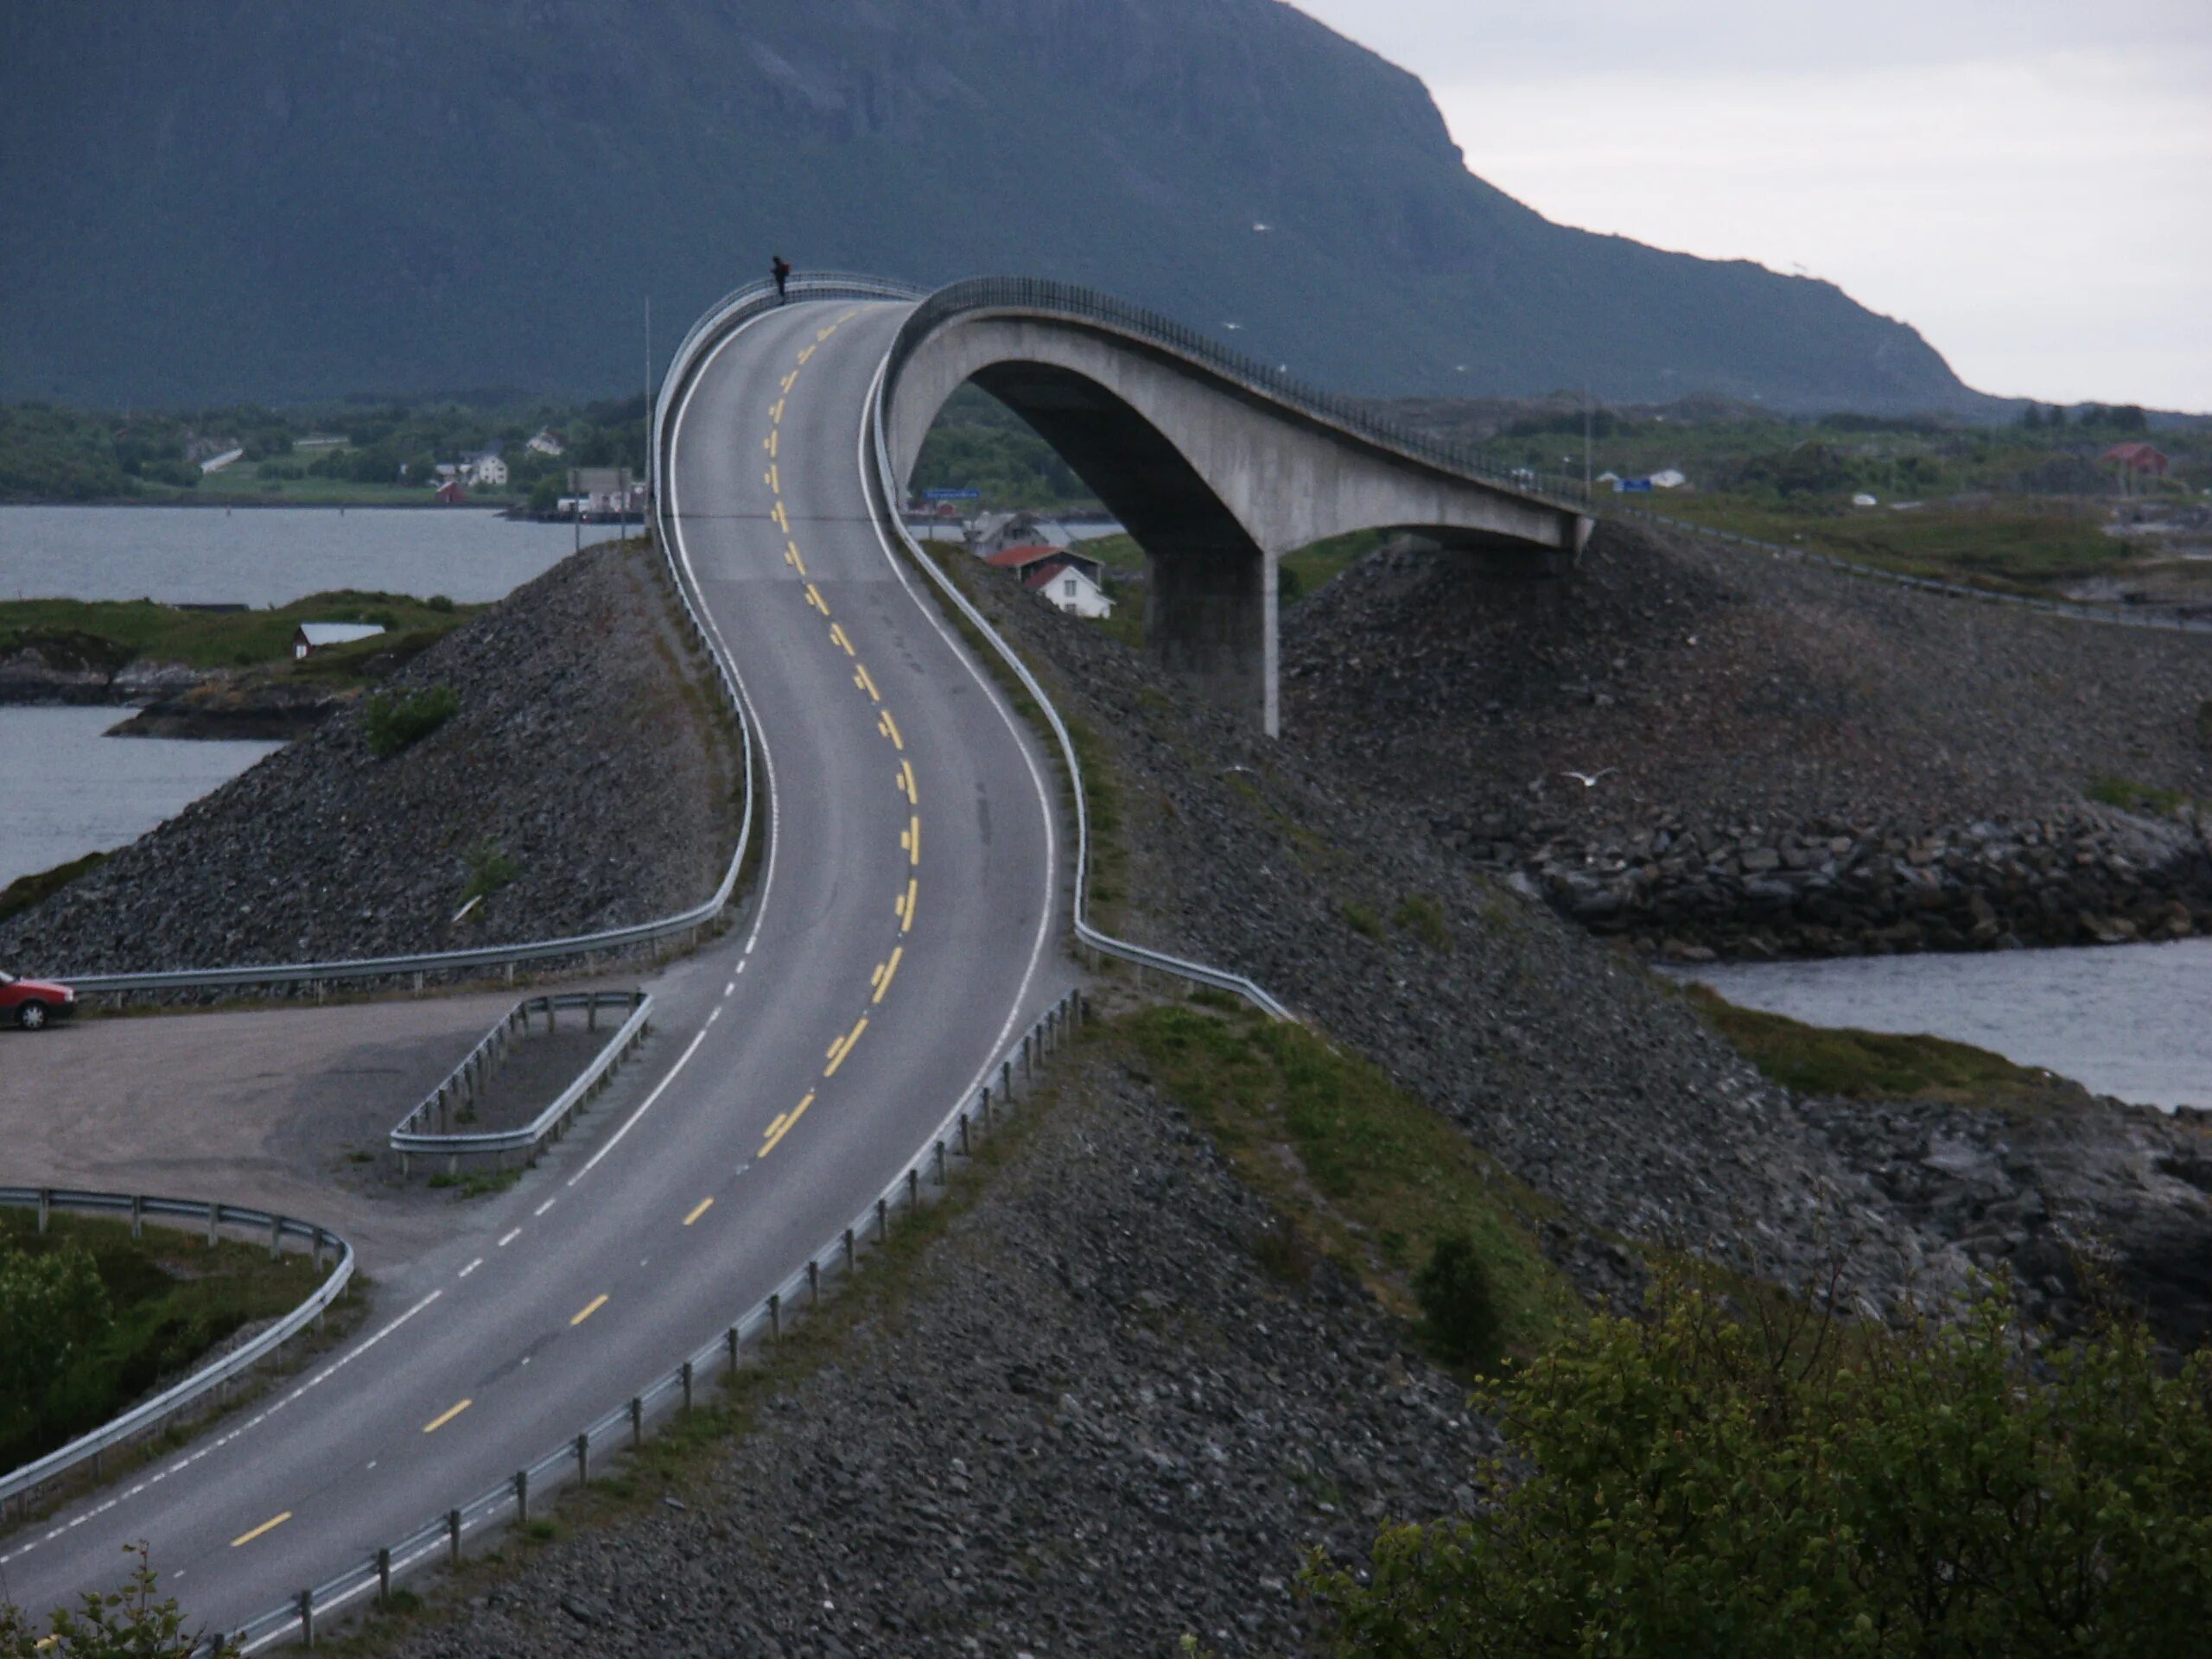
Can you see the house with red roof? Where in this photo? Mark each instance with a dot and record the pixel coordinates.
(2138, 457)
(1070, 580)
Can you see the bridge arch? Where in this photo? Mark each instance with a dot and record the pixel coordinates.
(1218, 466)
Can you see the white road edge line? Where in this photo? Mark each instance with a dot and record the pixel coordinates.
(997, 701)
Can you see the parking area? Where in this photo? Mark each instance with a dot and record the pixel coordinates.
(283, 1108)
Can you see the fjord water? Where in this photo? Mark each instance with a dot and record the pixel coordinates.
(2133, 1020)
(64, 792)
(270, 555)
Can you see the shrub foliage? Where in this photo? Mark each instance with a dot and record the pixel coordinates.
(54, 1317)
(1703, 1485)
(391, 724)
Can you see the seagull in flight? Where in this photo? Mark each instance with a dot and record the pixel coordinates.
(1589, 780)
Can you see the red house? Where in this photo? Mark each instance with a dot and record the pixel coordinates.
(2138, 458)
(451, 493)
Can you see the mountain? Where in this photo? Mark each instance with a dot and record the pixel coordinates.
(257, 198)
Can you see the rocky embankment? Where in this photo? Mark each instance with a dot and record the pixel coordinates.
(2081, 1204)
(1826, 887)
(1696, 744)
(585, 781)
(1091, 1423)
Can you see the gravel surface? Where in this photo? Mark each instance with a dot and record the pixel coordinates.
(585, 750)
(1587, 1076)
(1092, 1423)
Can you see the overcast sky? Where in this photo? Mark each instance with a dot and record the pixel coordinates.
(2027, 183)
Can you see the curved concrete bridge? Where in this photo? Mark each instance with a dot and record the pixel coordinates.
(1218, 466)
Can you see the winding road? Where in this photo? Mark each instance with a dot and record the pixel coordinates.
(902, 929)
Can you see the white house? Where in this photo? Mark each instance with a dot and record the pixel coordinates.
(1069, 589)
(546, 441)
(311, 637)
(485, 469)
(1668, 479)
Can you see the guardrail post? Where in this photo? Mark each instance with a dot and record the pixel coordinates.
(637, 1421)
(275, 1237)
(1005, 1082)
(214, 1211)
(45, 1206)
(583, 1459)
(938, 1151)
(522, 1497)
(813, 1281)
(775, 1315)
(137, 1216)
(849, 1252)
(383, 1554)
(591, 1013)
(453, 1536)
(729, 1342)
(550, 1021)
(983, 1105)
(685, 1373)
(963, 1134)
(306, 1617)
(1028, 1062)
(913, 1185)
(882, 1220)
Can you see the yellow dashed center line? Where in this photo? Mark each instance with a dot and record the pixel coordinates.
(837, 638)
(792, 557)
(772, 481)
(888, 727)
(769, 444)
(783, 522)
(776, 411)
(698, 1210)
(860, 678)
(808, 353)
(881, 979)
(906, 908)
(843, 1046)
(446, 1417)
(788, 381)
(589, 1309)
(814, 598)
(269, 1525)
(907, 783)
(784, 1122)
(911, 838)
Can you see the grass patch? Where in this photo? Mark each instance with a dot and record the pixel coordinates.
(171, 1297)
(1360, 918)
(1423, 916)
(2130, 797)
(391, 724)
(25, 891)
(476, 1183)
(1874, 1065)
(1377, 1181)
(1315, 566)
(107, 634)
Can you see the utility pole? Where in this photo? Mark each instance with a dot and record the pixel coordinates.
(649, 407)
(1589, 423)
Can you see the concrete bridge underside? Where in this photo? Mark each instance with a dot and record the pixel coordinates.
(1214, 480)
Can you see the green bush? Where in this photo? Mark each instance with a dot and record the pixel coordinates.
(125, 1624)
(1458, 1316)
(1358, 918)
(1422, 916)
(1703, 1484)
(490, 868)
(54, 1315)
(391, 723)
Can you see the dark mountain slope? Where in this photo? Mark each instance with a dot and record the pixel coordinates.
(255, 198)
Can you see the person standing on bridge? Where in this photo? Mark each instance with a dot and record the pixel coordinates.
(780, 268)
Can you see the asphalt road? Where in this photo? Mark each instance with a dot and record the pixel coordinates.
(902, 932)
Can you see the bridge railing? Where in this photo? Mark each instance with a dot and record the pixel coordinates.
(1353, 416)
(20, 1486)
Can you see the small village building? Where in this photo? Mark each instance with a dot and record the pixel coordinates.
(1069, 589)
(452, 493)
(1668, 479)
(994, 532)
(311, 637)
(603, 492)
(1071, 579)
(486, 469)
(546, 441)
(2143, 458)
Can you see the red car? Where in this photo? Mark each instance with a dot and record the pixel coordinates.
(32, 1002)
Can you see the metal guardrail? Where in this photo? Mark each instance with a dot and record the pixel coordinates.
(465, 1082)
(1353, 416)
(2172, 618)
(624, 1425)
(149, 1416)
